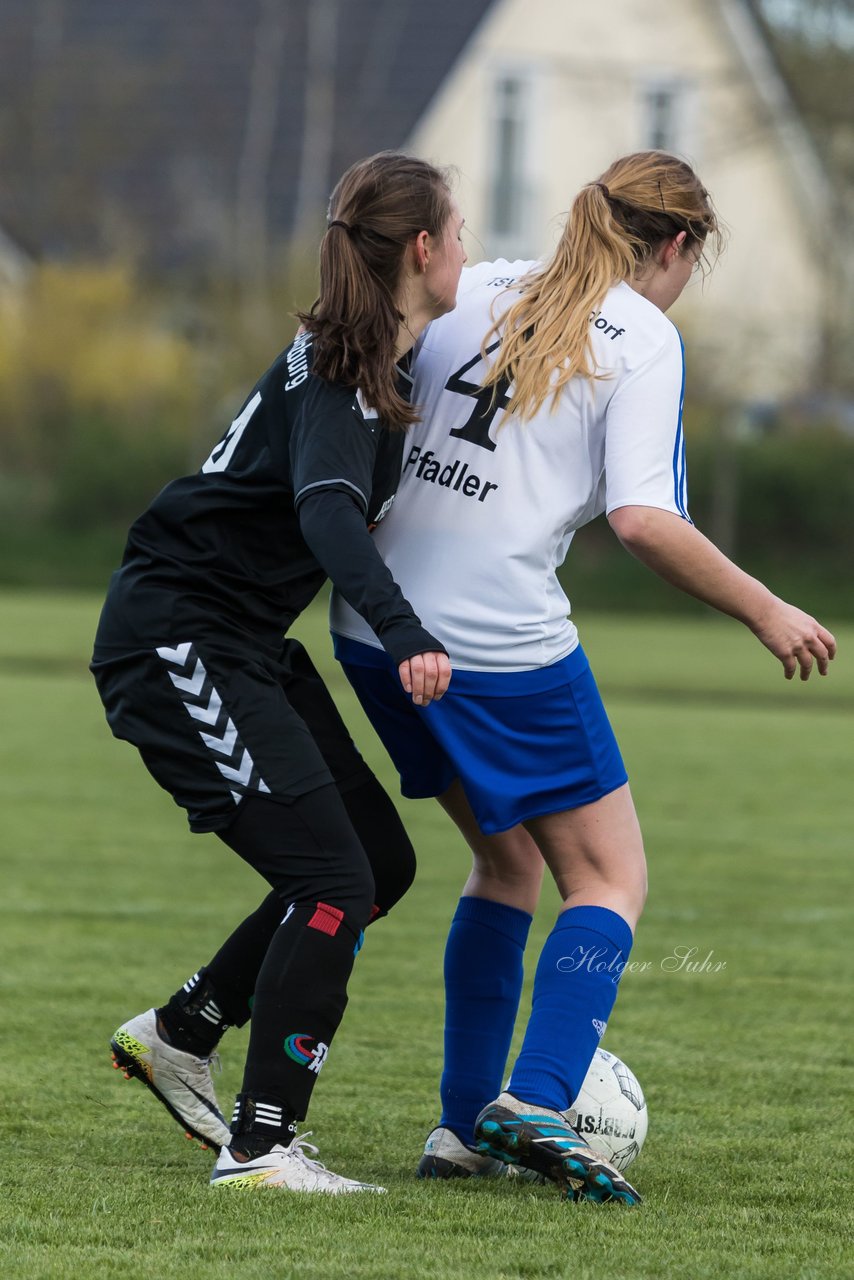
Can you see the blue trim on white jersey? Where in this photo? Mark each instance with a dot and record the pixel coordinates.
(483, 684)
(680, 466)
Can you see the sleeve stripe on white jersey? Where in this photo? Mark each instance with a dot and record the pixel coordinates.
(330, 484)
(680, 469)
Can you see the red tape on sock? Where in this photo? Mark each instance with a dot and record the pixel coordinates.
(326, 919)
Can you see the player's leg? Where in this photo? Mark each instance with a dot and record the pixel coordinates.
(311, 855)
(309, 931)
(148, 703)
(483, 974)
(219, 994)
(171, 1048)
(553, 764)
(506, 867)
(369, 807)
(595, 854)
(304, 844)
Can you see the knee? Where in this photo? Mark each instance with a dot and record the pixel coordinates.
(633, 888)
(394, 875)
(383, 837)
(507, 868)
(639, 892)
(362, 895)
(346, 883)
(345, 892)
(511, 858)
(637, 879)
(308, 852)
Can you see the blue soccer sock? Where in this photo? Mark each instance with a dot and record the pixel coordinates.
(483, 983)
(574, 992)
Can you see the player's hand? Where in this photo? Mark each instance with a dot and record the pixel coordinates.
(425, 677)
(797, 640)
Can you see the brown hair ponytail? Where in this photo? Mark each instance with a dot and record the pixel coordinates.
(375, 210)
(613, 228)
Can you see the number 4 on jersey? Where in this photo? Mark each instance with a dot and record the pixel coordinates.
(222, 453)
(488, 400)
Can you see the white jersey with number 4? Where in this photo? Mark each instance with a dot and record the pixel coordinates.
(488, 505)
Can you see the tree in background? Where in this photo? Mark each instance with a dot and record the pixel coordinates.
(814, 44)
(813, 41)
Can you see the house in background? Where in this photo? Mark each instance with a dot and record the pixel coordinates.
(197, 140)
(548, 92)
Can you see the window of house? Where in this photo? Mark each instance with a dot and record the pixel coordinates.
(510, 163)
(666, 115)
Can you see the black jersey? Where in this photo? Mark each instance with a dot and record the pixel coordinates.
(286, 498)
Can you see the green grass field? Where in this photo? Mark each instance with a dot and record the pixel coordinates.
(743, 784)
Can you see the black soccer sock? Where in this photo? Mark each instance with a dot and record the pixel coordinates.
(259, 1123)
(192, 1019)
(299, 1001)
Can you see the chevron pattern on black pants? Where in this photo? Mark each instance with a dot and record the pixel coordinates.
(199, 696)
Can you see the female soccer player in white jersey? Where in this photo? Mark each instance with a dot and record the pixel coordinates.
(190, 664)
(551, 394)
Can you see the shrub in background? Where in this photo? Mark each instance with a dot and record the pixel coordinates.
(97, 395)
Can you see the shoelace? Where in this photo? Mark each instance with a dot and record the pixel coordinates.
(299, 1147)
(213, 1062)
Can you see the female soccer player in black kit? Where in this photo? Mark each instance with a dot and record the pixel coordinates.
(233, 720)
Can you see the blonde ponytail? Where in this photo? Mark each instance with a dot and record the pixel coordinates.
(613, 227)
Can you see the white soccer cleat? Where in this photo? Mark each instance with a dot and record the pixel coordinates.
(285, 1167)
(181, 1081)
(445, 1156)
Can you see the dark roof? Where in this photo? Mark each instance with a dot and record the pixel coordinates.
(126, 125)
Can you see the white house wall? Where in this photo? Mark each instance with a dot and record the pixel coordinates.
(753, 328)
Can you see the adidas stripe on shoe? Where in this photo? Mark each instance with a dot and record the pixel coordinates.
(541, 1140)
(181, 1081)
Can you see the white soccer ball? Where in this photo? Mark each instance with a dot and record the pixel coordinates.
(610, 1110)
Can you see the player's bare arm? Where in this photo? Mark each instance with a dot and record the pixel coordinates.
(685, 558)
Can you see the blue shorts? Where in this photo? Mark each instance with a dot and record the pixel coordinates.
(522, 743)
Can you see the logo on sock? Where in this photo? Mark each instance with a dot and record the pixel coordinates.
(306, 1051)
(599, 1027)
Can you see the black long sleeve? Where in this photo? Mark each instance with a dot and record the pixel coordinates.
(333, 526)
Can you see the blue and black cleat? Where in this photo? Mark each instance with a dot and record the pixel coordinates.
(543, 1141)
